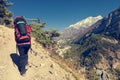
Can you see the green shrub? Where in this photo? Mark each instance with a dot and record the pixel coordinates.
(43, 37)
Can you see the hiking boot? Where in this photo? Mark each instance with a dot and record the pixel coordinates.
(23, 72)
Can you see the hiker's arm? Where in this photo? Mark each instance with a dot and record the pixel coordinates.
(29, 29)
(16, 37)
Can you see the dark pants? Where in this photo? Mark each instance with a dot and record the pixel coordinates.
(23, 59)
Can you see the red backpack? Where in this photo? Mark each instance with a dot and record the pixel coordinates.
(22, 30)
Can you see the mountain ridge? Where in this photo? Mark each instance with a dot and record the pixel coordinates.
(100, 48)
(87, 22)
(79, 28)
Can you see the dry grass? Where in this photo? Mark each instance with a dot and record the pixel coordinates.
(67, 66)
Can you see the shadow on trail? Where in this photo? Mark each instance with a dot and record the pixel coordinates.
(15, 59)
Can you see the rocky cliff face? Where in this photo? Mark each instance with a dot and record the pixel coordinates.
(100, 48)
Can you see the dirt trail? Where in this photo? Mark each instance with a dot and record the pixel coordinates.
(41, 66)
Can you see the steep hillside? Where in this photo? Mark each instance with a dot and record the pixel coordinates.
(41, 65)
(99, 49)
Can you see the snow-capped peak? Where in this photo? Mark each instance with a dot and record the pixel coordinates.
(86, 22)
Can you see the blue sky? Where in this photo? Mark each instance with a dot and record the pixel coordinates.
(59, 14)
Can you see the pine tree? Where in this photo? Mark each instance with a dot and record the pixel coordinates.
(5, 14)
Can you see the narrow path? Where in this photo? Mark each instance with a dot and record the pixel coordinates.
(41, 66)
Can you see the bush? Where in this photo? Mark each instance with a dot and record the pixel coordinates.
(43, 37)
(92, 75)
(5, 14)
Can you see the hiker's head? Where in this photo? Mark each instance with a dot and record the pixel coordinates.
(19, 19)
